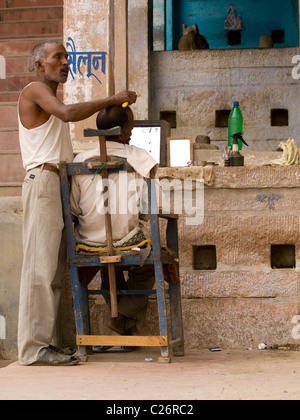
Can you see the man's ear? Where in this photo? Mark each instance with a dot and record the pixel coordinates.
(124, 135)
(39, 66)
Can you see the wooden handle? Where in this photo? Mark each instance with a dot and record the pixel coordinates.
(109, 240)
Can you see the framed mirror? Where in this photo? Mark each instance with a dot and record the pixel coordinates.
(180, 151)
(152, 136)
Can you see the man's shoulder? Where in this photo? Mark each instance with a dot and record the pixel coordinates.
(36, 85)
(35, 89)
(86, 155)
(138, 150)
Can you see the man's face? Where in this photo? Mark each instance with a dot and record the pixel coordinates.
(56, 64)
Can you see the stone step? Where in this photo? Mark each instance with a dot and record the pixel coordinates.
(29, 3)
(13, 96)
(30, 28)
(9, 96)
(31, 13)
(12, 173)
(10, 189)
(11, 166)
(8, 115)
(14, 83)
(23, 24)
(18, 72)
(23, 46)
(9, 139)
(17, 65)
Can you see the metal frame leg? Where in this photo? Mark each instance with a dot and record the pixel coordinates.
(162, 311)
(158, 267)
(176, 318)
(81, 308)
(175, 291)
(81, 305)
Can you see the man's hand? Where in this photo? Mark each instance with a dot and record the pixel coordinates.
(125, 96)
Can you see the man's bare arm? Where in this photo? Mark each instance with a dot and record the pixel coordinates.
(44, 97)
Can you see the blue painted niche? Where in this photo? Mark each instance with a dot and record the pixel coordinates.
(260, 17)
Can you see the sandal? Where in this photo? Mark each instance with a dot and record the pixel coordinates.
(68, 351)
(52, 358)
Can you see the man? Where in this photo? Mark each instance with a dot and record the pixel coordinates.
(127, 193)
(44, 142)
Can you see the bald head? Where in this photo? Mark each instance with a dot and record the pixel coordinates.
(116, 116)
(112, 117)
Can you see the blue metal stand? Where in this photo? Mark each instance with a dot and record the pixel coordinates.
(162, 261)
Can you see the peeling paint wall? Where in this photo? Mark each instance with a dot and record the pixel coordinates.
(138, 56)
(120, 45)
(159, 41)
(87, 35)
(194, 84)
(10, 273)
(91, 28)
(2, 328)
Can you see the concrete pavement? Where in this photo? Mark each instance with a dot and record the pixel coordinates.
(200, 375)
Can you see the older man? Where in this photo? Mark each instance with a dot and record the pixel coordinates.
(128, 206)
(45, 141)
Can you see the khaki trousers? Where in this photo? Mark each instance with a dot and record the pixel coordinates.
(44, 263)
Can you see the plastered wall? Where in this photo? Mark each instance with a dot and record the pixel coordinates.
(108, 47)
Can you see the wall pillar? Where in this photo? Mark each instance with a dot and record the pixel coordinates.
(121, 45)
(139, 56)
(107, 43)
(89, 41)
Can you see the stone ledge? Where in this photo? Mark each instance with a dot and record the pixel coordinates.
(211, 59)
(246, 177)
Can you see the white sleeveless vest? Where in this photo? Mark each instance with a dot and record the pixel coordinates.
(48, 143)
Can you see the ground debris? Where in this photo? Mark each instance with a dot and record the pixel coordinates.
(285, 347)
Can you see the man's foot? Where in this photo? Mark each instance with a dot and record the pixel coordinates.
(117, 324)
(52, 358)
(132, 331)
(68, 351)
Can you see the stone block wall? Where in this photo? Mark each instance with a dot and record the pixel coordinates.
(232, 294)
(244, 299)
(196, 84)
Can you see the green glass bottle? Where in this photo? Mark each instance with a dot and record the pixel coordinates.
(235, 124)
